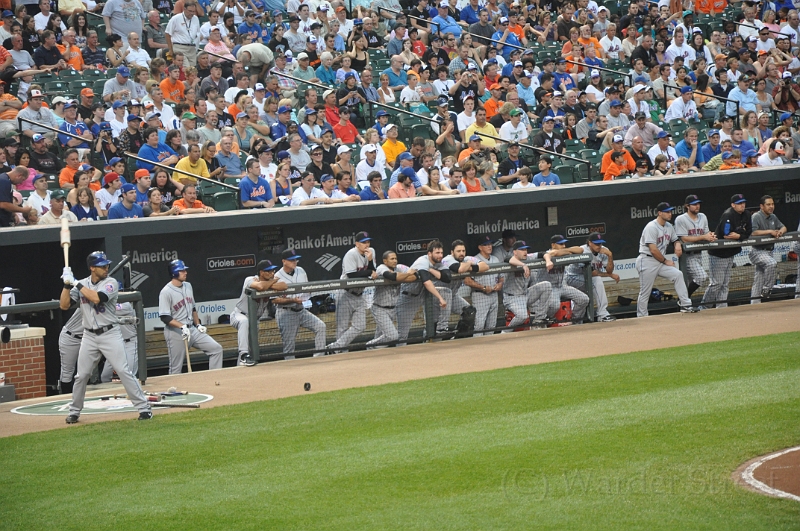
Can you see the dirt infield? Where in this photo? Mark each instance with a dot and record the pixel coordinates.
(776, 474)
(375, 367)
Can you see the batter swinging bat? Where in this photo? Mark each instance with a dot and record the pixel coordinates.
(188, 361)
(65, 240)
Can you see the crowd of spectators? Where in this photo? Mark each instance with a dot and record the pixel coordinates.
(286, 101)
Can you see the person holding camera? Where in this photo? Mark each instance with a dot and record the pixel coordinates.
(470, 85)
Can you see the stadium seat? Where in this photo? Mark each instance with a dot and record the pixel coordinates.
(225, 201)
(94, 73)
(565, 173)
(233, 181)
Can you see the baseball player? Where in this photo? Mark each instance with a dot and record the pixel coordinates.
(69, 343)
(555, 276)
(263, 280)
(521, 294)
(127, 325)
(429, 269)
(652, 261)
(765, 223)
(458, 262)
(182, 328)
(485, 287)
(351, 309)
(602, 265)
(385, 300)
(292, 312)
(735, 224)
(97, 297)
(691, 227)
(505, 250)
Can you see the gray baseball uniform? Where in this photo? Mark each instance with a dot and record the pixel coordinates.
(127, 318)
(522, 295)
(649, 268)
(486, 303)
(291, 317)
(351, 309)
(575, 278)
(384, 306)
(102, 337)
(69, 343)
(457, 302)
(412, 297)
(797, 279)
(761, 257)
(686, 226)
(239, 318)
(502, 254)
(560, 291)
(177, 302)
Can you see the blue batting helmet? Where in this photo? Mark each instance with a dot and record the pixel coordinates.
(97, 259)
(175, 267)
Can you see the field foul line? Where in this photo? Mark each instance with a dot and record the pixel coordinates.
(747, 476)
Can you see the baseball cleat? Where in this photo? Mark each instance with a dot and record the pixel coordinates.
(607, 319)
(689, 309)
(246, 361)
(145, 415)
(72, 419)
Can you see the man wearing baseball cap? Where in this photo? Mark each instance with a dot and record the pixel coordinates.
(42, 159)
(126, 207)
(616, 145)
(653, 261)
(601, 266)
(120, 87)
(74, 127)
(85, 105)
(35, 114)
(774, 155)
(735, 224)
(39, 199)
(110, 194)
(692, 227)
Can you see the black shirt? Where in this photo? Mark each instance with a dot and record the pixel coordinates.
(648, 57)
(732, 221)
(46, 162)
(373, 40)
(6, 196)
(85, 113)
(461, 91)
(552, 142)
(278, 46)
(318, 172)
(636, 158)
(442, 58)
(329, 155)
(510, 167)
(43, 56)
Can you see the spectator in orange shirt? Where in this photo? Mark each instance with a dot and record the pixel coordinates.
(171, 86)
(346, 131)
(587, 40)
(70, 51)
(404, 187)
(616, 145)
(515, 28)
(731, 160)
(492, 105)
(189, 204)
(617, 167)
(72, 164)
(9, 108)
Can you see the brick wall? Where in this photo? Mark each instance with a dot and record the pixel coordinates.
(22, 359)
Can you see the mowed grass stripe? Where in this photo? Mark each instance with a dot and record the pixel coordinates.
(630, 441)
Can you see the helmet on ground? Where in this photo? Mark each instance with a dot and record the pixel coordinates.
(97, 259)
(175, 267)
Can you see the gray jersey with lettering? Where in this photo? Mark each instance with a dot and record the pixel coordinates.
(177, 302)
(98, 315)
(501, 254)
(487, 279)
(353, 261)
(421, 264)
(660, 236)
(386, 295)
(762, 222)
(262, 304)
(599, 263)
(449, 260)
(299, 277)
(74, 324)
(686, 226)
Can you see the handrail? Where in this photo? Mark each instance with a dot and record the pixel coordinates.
(220, 56)
(395, 11)
(754, 240)
(704, 94)
(190, 174)
(57, 131)
(542, 151)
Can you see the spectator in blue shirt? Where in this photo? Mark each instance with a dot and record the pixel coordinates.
(504, 35)
(470, 14)
(687, 146)
(127, 208)
(446, 23)
(228, 159)
(397, 76)
(142, 180)
(326, 74)
(254, 190)
(252, 28)
(712, 148)
(374, 192)
(744, 95)
(155, 151)
(545, 177)
(564, 80)
(75, 127)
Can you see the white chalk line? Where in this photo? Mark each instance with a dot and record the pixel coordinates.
(748, 477)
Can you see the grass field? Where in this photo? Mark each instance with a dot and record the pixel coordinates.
(644, 440)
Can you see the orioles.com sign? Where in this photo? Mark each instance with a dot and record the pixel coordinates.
(244, 261)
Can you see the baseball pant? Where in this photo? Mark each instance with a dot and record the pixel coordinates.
(177, 350)
(131, 356)
(649, 269)
(599, 289)
(385, 331)
(766, 267)
(456, 305)
(580, 301)
(797, 277)
(109, 345)
(241, 324)
(290, 321)
(351, 318)
(69, 345)
(535, 300)
(719, 271)
(407, 308)
(485, 311)
(694, 266)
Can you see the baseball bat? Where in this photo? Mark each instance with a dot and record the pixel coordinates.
(187, 406)
(188, 361)
(125, 259)
(66, 241)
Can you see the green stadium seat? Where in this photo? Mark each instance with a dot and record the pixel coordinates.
(565, 173)
(225, 201)
(94, 74)
(55, 88)
(233, 181)
(589, 154)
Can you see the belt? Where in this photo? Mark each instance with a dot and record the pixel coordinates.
(181, 44)
(100, 331)
(384, 307)
(410, 294)
(76, 336)
(128, 340)
(479, 291)
(355, 293)
(291, 309)
(514, 294)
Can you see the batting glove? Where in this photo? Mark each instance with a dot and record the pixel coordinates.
(201, 328)
(68, 279)
(186, 333)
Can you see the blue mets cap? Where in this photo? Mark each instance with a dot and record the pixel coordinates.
(558, 238)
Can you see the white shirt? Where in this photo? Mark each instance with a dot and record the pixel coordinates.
(300, 195)
(511, 133)
(117, 127)
(269, 172)
(766, 46)
(611, 46)
(680, 109)
(642, 106)
(41, 21)
(723, 136)
(680, 51)
(167, 116)
(520, 185)
(363, 169)
(764, 160)
(409, 95)
(670, 153)
(746, 31)
(793, 34)
(183, 30)
(380, 159)
(106, 200)
(345, 28)
(465, 121)
(443, 86)
(41, 206)
(138, 57)
(233, 91)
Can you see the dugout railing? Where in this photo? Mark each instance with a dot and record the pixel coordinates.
(743, 271)
(265, 338)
